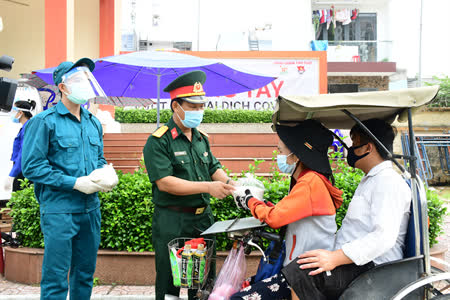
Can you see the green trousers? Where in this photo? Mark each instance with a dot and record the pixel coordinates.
(166, 226)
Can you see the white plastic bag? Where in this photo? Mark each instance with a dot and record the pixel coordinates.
(249, 182)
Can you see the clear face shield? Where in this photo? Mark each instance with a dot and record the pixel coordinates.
(81, 85)
(14, 111)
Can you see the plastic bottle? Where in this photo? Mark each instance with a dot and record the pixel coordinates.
(186, 267)
(199, 264)
(175, 265)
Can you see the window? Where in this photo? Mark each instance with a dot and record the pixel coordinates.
(364, 28)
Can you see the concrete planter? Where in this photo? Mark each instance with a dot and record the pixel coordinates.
(24, 265)
(438, 251)
(207, 127)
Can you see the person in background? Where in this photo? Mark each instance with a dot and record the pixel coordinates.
(20, 113)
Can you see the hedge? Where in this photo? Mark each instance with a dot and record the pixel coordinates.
(443, 97)
(210, 116)
(127, 210)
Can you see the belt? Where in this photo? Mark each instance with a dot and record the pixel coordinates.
(192, 210)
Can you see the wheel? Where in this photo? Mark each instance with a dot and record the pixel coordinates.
(436, 286)
(441, 297)
(440, 287)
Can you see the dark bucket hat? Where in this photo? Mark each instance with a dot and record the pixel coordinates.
(309, 141)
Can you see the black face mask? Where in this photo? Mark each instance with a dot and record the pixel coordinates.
(352, 158)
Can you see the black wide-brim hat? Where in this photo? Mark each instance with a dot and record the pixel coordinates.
(309, 141)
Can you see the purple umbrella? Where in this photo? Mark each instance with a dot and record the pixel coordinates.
(145, 74)
(42, 86)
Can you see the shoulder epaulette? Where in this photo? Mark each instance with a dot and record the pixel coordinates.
(202, 132)
(160, 131)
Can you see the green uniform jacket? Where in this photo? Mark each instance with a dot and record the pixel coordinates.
(172, 154)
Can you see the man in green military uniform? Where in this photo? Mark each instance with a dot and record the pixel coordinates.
(184, 174)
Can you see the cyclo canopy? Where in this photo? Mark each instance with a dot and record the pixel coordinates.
(327, 108)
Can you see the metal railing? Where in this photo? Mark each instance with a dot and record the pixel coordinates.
(359, 51)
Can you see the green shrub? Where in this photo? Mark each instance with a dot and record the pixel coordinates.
(127, 214)
(127, 210)
(443, 97)
(210, 116)
(436, 215)
(25, 212)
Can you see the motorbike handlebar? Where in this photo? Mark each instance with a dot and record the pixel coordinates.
(267, 235)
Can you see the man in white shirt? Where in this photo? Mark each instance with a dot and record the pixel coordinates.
(373, 230)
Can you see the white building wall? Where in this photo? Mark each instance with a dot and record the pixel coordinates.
(397, 21)
(435, 39)
(292, 25)
(405, 25)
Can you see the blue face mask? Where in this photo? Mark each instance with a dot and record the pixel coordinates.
(283, 165)
(191, 118)
(14, 112)
(14, 119)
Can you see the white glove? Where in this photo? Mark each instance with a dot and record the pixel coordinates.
(105, 177)
(7, 185)
(86, 185)
(241, 197)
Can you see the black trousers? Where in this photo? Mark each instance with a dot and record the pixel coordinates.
(321, 286)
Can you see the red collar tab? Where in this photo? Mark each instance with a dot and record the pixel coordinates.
(187, 91)
(174, 133)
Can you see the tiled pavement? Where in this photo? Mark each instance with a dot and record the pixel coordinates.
(111, 291)
(13, 291)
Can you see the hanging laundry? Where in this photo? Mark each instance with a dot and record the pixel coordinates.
(340, 15)
(355, 13)
(323, 16)
(316, 22)
(329, 15)
(343, 16)
(334, 16)
(348, 19)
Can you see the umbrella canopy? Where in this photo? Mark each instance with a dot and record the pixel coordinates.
(136, 74)
(37, 82)
(144, 74)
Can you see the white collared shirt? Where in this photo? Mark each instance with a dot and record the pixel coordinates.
(375, 225)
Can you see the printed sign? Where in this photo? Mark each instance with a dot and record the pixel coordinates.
(294, 77)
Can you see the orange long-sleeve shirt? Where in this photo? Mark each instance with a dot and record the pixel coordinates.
(312, 195)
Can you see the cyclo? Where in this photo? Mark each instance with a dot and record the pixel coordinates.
(412, 277)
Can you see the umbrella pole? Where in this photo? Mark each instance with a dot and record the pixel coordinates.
(158, 84)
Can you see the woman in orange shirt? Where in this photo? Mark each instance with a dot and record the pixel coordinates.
(308, 211)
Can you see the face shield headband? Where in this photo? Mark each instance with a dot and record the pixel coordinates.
(14, 108)
(81, 85)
